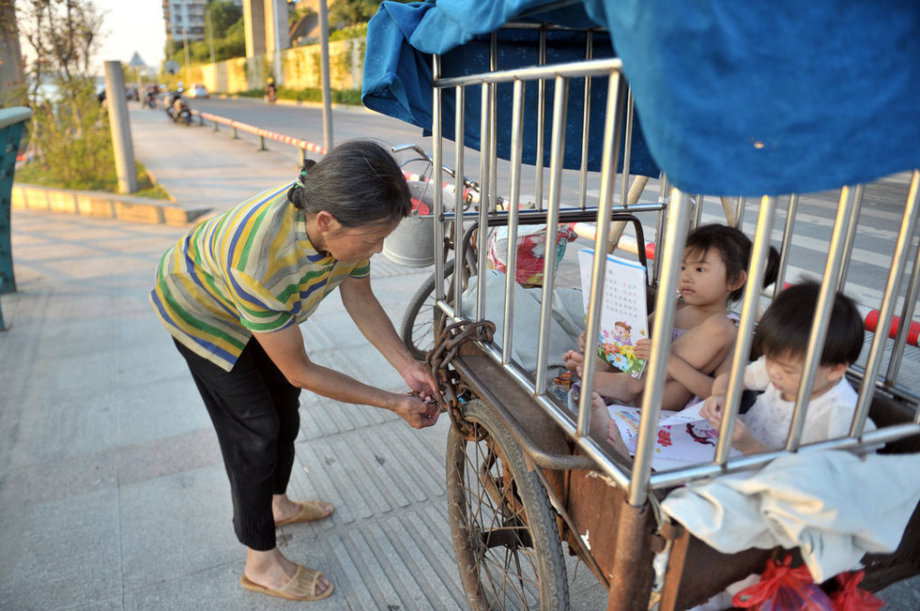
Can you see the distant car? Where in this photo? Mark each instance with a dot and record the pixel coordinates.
(198, 91)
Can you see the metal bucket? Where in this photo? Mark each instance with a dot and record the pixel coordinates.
(412, 242)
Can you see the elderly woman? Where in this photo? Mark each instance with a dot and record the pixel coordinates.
(232, 294)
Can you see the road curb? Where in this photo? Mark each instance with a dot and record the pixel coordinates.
(99, 204)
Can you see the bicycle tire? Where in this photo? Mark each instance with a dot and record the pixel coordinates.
(418, 334)
(527, 526)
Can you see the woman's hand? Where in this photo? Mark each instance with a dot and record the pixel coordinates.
(643, 349)
(419, 379)
(416, 412)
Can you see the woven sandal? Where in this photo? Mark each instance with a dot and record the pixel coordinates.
(302, 586)
(310, 511)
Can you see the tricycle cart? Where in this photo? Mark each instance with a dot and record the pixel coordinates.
(536, 83)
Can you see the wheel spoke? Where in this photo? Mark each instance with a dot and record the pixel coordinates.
(503, 563)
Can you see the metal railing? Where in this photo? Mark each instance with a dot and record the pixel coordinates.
(304, 146)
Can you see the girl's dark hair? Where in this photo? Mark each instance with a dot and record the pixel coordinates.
(735, 249)
(786, 325)
(358, 182)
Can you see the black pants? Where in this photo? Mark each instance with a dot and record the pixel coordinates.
(254, 411)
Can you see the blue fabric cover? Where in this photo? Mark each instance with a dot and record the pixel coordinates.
(735, 98)
(397, 76)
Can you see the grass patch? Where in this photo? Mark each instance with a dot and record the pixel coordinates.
(35, 174)
(308, 94)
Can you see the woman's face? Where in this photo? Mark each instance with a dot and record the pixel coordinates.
(350, 244)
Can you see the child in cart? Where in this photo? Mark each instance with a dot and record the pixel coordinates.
(781, 338)
(713, 274)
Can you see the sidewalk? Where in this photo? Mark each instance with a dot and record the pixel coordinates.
(203, 169)
(112, 492)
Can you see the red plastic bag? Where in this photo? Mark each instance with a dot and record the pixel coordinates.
(850, 597)
(783, 588)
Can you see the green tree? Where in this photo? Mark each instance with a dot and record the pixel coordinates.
(350, 12)
(222, 15)
(69, 132)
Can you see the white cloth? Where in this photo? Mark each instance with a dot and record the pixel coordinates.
(827, 417)
(833, 505)
(566, 322)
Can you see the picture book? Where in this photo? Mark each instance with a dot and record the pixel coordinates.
(684, 437)
(623, 313)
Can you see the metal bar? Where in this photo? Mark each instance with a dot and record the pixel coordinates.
(677, 477)
(517, 147)
(474, 215)
(485, 165)
(822, 314)
(739, 212)
(612, 134)
(585, 125)
(656, 370)
(896, 390)
(262, 143)
(562, 419)
(541, 124)
(851, 237)
(493, 125)
(459, 266)
(595, 67)
(437, 178)
(698, 209)
(535, 25)
(898, 262)
(627, 146)
(786, 248)
(557, 153)
(749, 311)
(663, 187)
(907, 315)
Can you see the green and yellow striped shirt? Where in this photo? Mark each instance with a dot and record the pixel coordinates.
(251, 268)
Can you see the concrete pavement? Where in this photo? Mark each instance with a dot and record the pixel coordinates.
(112, 493)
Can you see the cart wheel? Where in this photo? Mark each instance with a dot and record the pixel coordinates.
(417, 329)
(504, 533)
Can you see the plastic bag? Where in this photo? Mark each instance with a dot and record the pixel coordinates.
(531, 246)
(783, 588)
(850, 597)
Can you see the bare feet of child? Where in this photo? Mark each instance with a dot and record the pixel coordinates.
(603, 430)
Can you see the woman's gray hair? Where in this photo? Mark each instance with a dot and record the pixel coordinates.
(358, 182)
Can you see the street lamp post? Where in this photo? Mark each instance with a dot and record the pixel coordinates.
(327, 95)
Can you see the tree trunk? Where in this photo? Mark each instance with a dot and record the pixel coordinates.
(12, 80)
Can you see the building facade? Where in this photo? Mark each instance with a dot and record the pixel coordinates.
(185, 19)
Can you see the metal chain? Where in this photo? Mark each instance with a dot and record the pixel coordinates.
(447, 345)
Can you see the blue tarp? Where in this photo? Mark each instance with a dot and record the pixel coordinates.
(734, 98)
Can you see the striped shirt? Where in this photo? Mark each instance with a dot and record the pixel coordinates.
(251, 268)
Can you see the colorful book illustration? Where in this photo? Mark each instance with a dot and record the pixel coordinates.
(684, 437)
(623, 313)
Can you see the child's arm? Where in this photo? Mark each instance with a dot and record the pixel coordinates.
(742, 439)
(697, 353)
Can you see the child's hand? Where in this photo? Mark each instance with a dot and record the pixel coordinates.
(643, 348)
(574, 361)
(712, 412)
